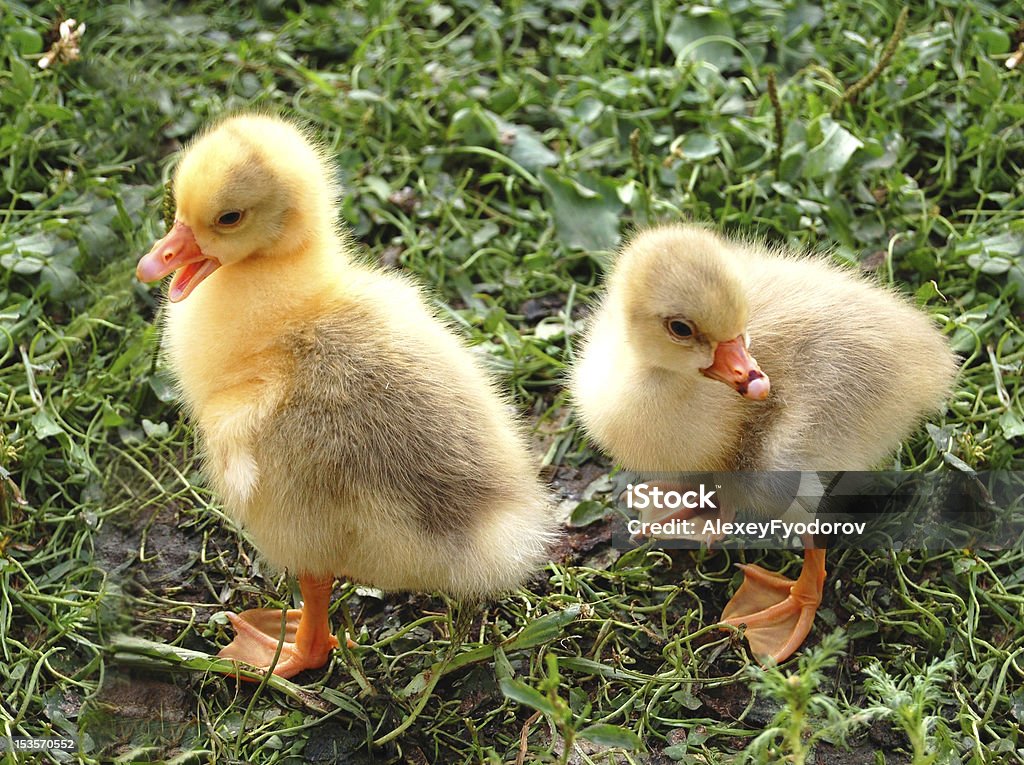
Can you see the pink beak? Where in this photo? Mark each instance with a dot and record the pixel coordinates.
(177, 252)
(734, 366)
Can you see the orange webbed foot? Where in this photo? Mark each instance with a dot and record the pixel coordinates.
(308, 640)
(257, 635)
(778, 613)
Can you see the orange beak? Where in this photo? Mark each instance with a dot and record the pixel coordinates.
(177, 252)
(734, 366)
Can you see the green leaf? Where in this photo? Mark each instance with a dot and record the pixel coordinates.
(529, 151)
(802, 18)
(44, 425)
(521, 693)
(502, 666)
(22, 264)
(941, 437)
(686, 699)
(523, 144)
(35, 244)
(1015, 276)
(687, 29)
(995, 255)
(1011, 424)
(155, 430)
(94, 237)
(831, 155)
(612, 735)
(53, 111)
(1003, 245)
(474, 127)
(61, 279)
(677, 752)
(377, 186)
(586, 212)
(995, 40)
(587, 512)
(439, 13)
(162, 384)
(21, 79)
(420, 682)
(993, 266)
(699, 146)
(966, 565)
(27, 40)
(927, 291)
(111, 418)
(861, 628)
(544, 629)
(1017, 705)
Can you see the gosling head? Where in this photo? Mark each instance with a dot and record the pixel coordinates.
(685, 307)
(253, 185)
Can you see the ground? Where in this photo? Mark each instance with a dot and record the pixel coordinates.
(499, 153)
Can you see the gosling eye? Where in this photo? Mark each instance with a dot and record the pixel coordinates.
(229, 218)
(679, 329)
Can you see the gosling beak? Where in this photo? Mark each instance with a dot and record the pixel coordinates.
(177, 252)
(734, 366)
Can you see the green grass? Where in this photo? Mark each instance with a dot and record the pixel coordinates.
(499, 154)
